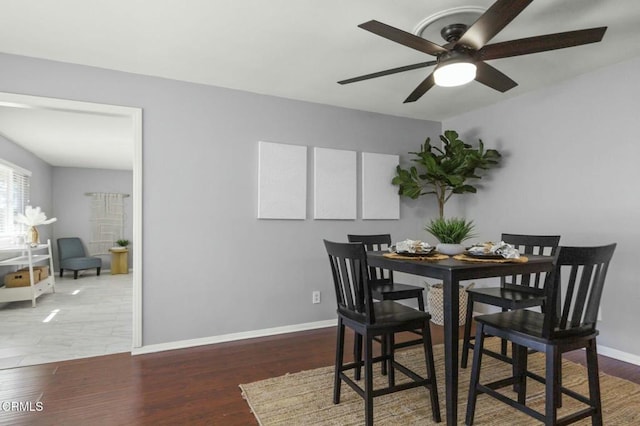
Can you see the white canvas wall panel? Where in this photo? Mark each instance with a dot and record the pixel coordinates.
(282, 181)
(335, 184)
(380, 199)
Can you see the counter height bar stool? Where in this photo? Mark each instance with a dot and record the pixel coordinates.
(383, 287)
(357, 310)
(515, 292)
(567, 323)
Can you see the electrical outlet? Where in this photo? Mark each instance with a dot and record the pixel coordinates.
(315, 297)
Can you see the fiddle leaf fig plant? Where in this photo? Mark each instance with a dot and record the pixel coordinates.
(444, 171)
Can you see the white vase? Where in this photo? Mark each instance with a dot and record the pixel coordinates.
(33, 237)
(450, 249)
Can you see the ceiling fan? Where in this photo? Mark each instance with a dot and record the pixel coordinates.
(462, 58)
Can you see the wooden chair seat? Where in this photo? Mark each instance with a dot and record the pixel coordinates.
(392, 314)
(506, 297)
(529, 324)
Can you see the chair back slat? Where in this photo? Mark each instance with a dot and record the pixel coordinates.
(530, 245)
(377, 242)
(583, 289)
(576, 303)
(351, 279)
(347, 296)
(568, 295)
(593, 304)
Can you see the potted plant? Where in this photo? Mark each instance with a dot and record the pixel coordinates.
(122, 243)
(444, 171)
(451, 233)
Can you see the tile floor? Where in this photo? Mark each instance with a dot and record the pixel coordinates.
(93, 316)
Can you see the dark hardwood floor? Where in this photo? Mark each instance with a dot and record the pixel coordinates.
(189, 386)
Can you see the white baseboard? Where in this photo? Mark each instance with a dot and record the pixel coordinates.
(619, 355)
(610, 352)
(183, 344)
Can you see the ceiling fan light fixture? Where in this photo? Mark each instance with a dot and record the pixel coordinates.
(463, 57)
(454, 74)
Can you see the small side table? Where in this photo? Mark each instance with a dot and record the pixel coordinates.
(119, 260)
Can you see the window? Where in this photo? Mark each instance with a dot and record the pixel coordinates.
(14, 197)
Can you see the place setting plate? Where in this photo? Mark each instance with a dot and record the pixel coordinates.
(420, 254)
(428, 251)
(483, 255)
(491, 252)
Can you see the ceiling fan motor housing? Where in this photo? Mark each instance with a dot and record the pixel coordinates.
(455, 56)
(452, 33)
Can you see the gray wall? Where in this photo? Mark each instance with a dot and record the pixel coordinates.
(209, 266)
(571, 168)
(73, 208)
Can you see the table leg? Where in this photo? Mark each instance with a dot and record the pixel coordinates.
(451, 327)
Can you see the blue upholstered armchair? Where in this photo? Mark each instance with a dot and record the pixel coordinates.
(72, 256)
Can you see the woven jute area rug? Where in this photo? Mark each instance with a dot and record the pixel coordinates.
(305, 398)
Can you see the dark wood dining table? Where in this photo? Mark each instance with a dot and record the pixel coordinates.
(451, 272)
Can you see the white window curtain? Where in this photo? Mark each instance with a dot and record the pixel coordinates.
(14, 197)
(107, 221)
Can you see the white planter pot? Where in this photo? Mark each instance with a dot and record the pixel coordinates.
(450, 249)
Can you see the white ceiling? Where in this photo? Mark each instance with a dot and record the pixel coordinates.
(68, 133)
(299, 49)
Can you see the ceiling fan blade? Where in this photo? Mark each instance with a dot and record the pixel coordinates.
(525, 46)
(403, 37)
(388, 72)
(489, 76)
(491, 23)
(422, 88)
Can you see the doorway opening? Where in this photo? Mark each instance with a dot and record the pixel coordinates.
(97, 119)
